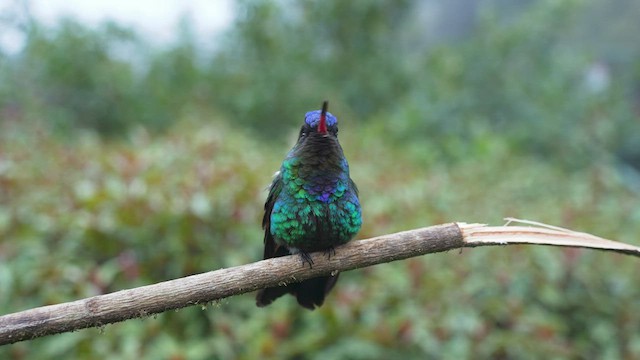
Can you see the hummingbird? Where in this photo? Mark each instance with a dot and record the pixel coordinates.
(312, 206)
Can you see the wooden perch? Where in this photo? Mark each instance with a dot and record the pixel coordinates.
(203, 288)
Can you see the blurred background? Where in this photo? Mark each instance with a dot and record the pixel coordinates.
(136, 143)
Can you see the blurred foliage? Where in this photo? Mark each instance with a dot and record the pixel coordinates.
(524, 77)
(122, 164)
(276, 65)
(88, 91)
(105, 79)
(89, 217)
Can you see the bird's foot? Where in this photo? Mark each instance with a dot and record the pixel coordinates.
(306, 258)
(331, 251)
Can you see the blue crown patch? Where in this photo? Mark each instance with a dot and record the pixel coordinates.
(313, 117)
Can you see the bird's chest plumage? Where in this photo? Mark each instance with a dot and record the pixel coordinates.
(317, 208)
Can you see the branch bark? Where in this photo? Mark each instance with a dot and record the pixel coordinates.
(214, 285)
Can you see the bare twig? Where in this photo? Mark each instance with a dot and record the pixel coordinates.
(214, 285)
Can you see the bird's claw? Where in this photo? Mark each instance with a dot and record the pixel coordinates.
(306, 258)
(331, 251)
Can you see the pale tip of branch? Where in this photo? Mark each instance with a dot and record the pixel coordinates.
(463, 225)
(539, 234)
(510, 220)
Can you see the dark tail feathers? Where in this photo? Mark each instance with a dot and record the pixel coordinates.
(309, 293)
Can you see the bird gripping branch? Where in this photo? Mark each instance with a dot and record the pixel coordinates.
(312, 206)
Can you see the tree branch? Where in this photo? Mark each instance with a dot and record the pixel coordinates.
(214, 285)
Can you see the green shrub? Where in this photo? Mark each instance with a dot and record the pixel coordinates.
(87, 217)
(496, 125)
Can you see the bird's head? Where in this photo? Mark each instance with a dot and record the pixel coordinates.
(319, 124)
(318, 147)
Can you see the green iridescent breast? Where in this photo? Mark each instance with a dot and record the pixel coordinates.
(315, 209)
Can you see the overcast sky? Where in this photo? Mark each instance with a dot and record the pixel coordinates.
(155, 20)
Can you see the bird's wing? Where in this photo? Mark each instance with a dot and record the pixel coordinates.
(271, 249)
(353, 186)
